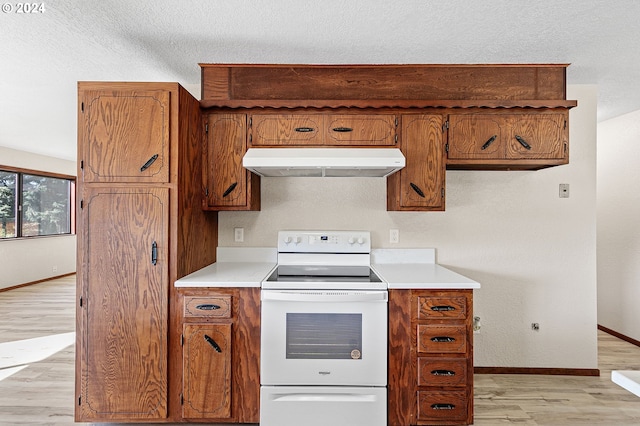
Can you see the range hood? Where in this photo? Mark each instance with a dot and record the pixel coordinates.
(323, 162)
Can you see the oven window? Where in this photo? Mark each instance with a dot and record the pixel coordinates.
(324, 336)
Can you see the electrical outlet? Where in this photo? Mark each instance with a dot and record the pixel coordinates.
(476, 325)
(54, 269)
(238, 235)
(394, 236)
(564, 190)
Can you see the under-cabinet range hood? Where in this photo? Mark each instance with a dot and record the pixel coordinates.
(323, 162)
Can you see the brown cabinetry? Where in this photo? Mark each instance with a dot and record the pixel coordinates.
(139, 152)
(430, 357)
(228, 185)
(221, 351)
(497, 140)
(420, 185)
(322, 129)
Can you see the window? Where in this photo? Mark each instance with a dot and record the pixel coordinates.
(34, 204)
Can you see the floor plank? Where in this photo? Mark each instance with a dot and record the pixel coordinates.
(41, 393)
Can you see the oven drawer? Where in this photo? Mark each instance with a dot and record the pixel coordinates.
(442, 371)
(442, 339)
(439, 307)
(442, 405)
(207, 307)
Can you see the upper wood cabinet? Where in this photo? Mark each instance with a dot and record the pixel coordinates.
(228, 185)
(322, 129)
(126, 132)
(498, 140)
(420, 185)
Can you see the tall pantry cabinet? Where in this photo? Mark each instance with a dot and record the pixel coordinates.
(140, 227)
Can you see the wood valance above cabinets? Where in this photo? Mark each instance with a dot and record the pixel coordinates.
(471, 117)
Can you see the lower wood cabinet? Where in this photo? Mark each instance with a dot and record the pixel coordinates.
(220, 354)
(430, 357)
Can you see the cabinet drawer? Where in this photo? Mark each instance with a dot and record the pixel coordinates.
(442, 339)
(209, 307)
(442, 371)
(286, 129)
(453, 307)
(360, 130)
(442, 405)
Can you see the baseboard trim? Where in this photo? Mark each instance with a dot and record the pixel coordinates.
(619, 335)
(540, 371)
(36, 282)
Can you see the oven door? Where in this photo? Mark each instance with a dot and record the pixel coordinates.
(330, 338)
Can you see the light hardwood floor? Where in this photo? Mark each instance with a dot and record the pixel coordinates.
(41, 393)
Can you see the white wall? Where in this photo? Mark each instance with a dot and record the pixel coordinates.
(618, 215)
(533, 253)
(28, 260)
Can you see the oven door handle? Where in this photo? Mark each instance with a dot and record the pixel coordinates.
(333, 297)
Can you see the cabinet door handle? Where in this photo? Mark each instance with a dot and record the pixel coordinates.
(489, 142)
(443, 406)
(342, 129)
(443, 373)
(443, 339)
(154, 253)
(304, 129)
(443, 308)
(149, 162)
(213, 343)
(208, 307)
(229, 189)
(417, 189)
(523, 142)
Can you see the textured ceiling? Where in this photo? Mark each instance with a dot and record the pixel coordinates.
(43, 55)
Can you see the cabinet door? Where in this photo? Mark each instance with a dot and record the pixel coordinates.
(374, 129)
(420, 185)
(286, 129)
(207, 371)
(124, 136)
(228, 185)
(476, 136)
(542, 136)
(124, 314)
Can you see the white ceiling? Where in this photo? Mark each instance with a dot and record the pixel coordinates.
(43, 55)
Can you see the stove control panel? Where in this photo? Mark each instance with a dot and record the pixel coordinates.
(324, 241)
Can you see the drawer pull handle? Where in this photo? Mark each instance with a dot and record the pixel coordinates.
(417, 189)
(523, 142)
(443, 406)
(213, 343)
(443, 373)
(208, 307)
(443, 339)
(342, 129)
(304, 129)
(229, 189)
(443, 308)
(149, 162)
(489, 142)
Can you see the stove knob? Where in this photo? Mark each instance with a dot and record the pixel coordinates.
(360, 240)
(297, 240)
(287, 240)
(351, 240)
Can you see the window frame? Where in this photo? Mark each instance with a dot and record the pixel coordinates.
(19, 171)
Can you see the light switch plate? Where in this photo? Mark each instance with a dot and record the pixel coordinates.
(564, 190)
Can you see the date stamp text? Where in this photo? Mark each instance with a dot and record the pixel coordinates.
(23, 8)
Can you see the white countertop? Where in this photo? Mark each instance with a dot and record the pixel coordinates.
(628, 379)
(236, 267)
(399, 268)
